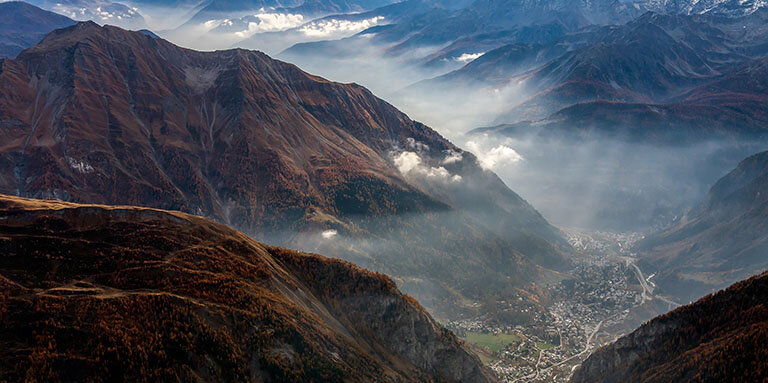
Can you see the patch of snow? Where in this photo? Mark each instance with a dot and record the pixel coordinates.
(79, 166)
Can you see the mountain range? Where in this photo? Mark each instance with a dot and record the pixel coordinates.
(442, 25)
(481, 26)
(618, 116)
(654, 59)
(668, 103)
(103, 293)
(103, 115)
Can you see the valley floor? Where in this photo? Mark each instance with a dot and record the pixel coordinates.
(607, 296)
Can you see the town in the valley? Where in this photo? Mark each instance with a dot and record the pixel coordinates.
(605, 296)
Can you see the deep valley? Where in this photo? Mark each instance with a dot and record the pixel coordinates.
(437, 191)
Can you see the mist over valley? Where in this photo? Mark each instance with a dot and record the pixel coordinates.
(512, 191)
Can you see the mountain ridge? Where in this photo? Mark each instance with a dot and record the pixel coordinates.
(103, 115)
(704, 63)
(187, 298)
(716, 339)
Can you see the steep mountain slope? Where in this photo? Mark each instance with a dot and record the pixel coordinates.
(729, 104)
(744, 87)
(23, 25)
(481, 43)
(497, 67)
(91, 292)
(99, 114)
(128, 78)
(720, 241)
(642, 65)
(730, 107)
(720, 338)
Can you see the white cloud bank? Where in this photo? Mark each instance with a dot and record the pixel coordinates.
(491, 156)
(271, 22)
(467, 57)
(328, 27)
(100, 11)
(411, 164)
(329, 234)
(452, 156)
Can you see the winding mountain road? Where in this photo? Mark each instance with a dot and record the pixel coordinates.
(647, 288)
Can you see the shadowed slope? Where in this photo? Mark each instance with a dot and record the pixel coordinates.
(720, 241)
(91, 293)
(23, 25)
(720, 338)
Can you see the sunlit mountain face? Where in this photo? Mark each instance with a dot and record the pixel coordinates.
(369, 184)
(498, 189)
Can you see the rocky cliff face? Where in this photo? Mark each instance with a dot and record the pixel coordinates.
(717, 339)
(93, 292)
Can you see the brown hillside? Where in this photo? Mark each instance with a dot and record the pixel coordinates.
(104, 293)
(721, 338)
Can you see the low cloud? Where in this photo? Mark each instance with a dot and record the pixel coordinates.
(494, 155)
(407, 161)
(410, 164)
(452, 156)
(329, 234)
(416, 145)
(210, 24)
(467, 57)
(271, 22)
(329, 27)
(102, 12)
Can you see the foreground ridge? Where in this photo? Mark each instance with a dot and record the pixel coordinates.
(720, 338)
(104, 293)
